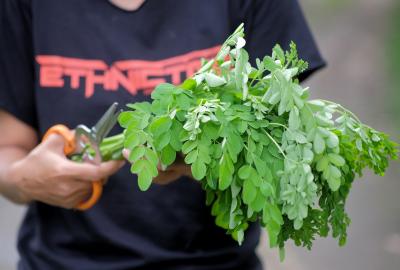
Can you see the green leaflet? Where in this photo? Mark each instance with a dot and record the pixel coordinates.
(199, 169)
(334, 183)
(226, 170)
(145, 171)
(319, 144)
(249, 191)
(188, 84)
(241, 74)
(336, 159)
(245, 171)
(214, 80)
(168, 155)
(136, 154)
(294, 119)
(160, 125)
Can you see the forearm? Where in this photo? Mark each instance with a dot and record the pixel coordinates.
(9, 155)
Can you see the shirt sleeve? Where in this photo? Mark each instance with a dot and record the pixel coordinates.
(16, 61)
(270, 22)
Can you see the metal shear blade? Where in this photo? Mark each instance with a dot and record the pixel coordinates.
(106, 123)
(95, 135)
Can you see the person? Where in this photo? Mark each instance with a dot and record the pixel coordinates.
(66, 62)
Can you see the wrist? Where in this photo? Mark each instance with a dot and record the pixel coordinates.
(13, 180)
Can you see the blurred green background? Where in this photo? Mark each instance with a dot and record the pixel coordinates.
(360, 39)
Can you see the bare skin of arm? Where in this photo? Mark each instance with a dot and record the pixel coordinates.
(41, 172)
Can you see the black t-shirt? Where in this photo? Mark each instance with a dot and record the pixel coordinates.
(67, 61)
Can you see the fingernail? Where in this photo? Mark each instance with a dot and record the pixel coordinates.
(125, 152)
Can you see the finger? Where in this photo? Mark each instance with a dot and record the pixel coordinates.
(166, 177)
(181, 168)
(80, 196)
(86, 171)
(110, 167)
(79, 185)
(56, 142)
(81, 191)
(73, 202)
(81, 171)
(185, 170)
(180, 158)
(126, 153)
(160, 168)
(57, 201)
(66, 187)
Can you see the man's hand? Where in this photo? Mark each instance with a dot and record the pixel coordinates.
(171, 173)
(46, 175)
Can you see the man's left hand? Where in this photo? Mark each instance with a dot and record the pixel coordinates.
(172, 173)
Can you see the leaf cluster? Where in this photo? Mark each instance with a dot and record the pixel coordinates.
(260, 148)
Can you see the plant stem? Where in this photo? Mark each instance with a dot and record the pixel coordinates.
(111, 147)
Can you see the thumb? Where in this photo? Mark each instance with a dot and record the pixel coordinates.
(108, 168)
(54, 142)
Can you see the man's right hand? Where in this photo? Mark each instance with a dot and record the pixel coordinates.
(31, 171)
(46, 175)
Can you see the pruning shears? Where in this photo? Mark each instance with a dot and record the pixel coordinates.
(85, 142)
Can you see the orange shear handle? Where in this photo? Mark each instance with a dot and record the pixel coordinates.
(69, 148)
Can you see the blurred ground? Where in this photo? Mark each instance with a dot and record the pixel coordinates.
(9, 223)
(360, 41)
